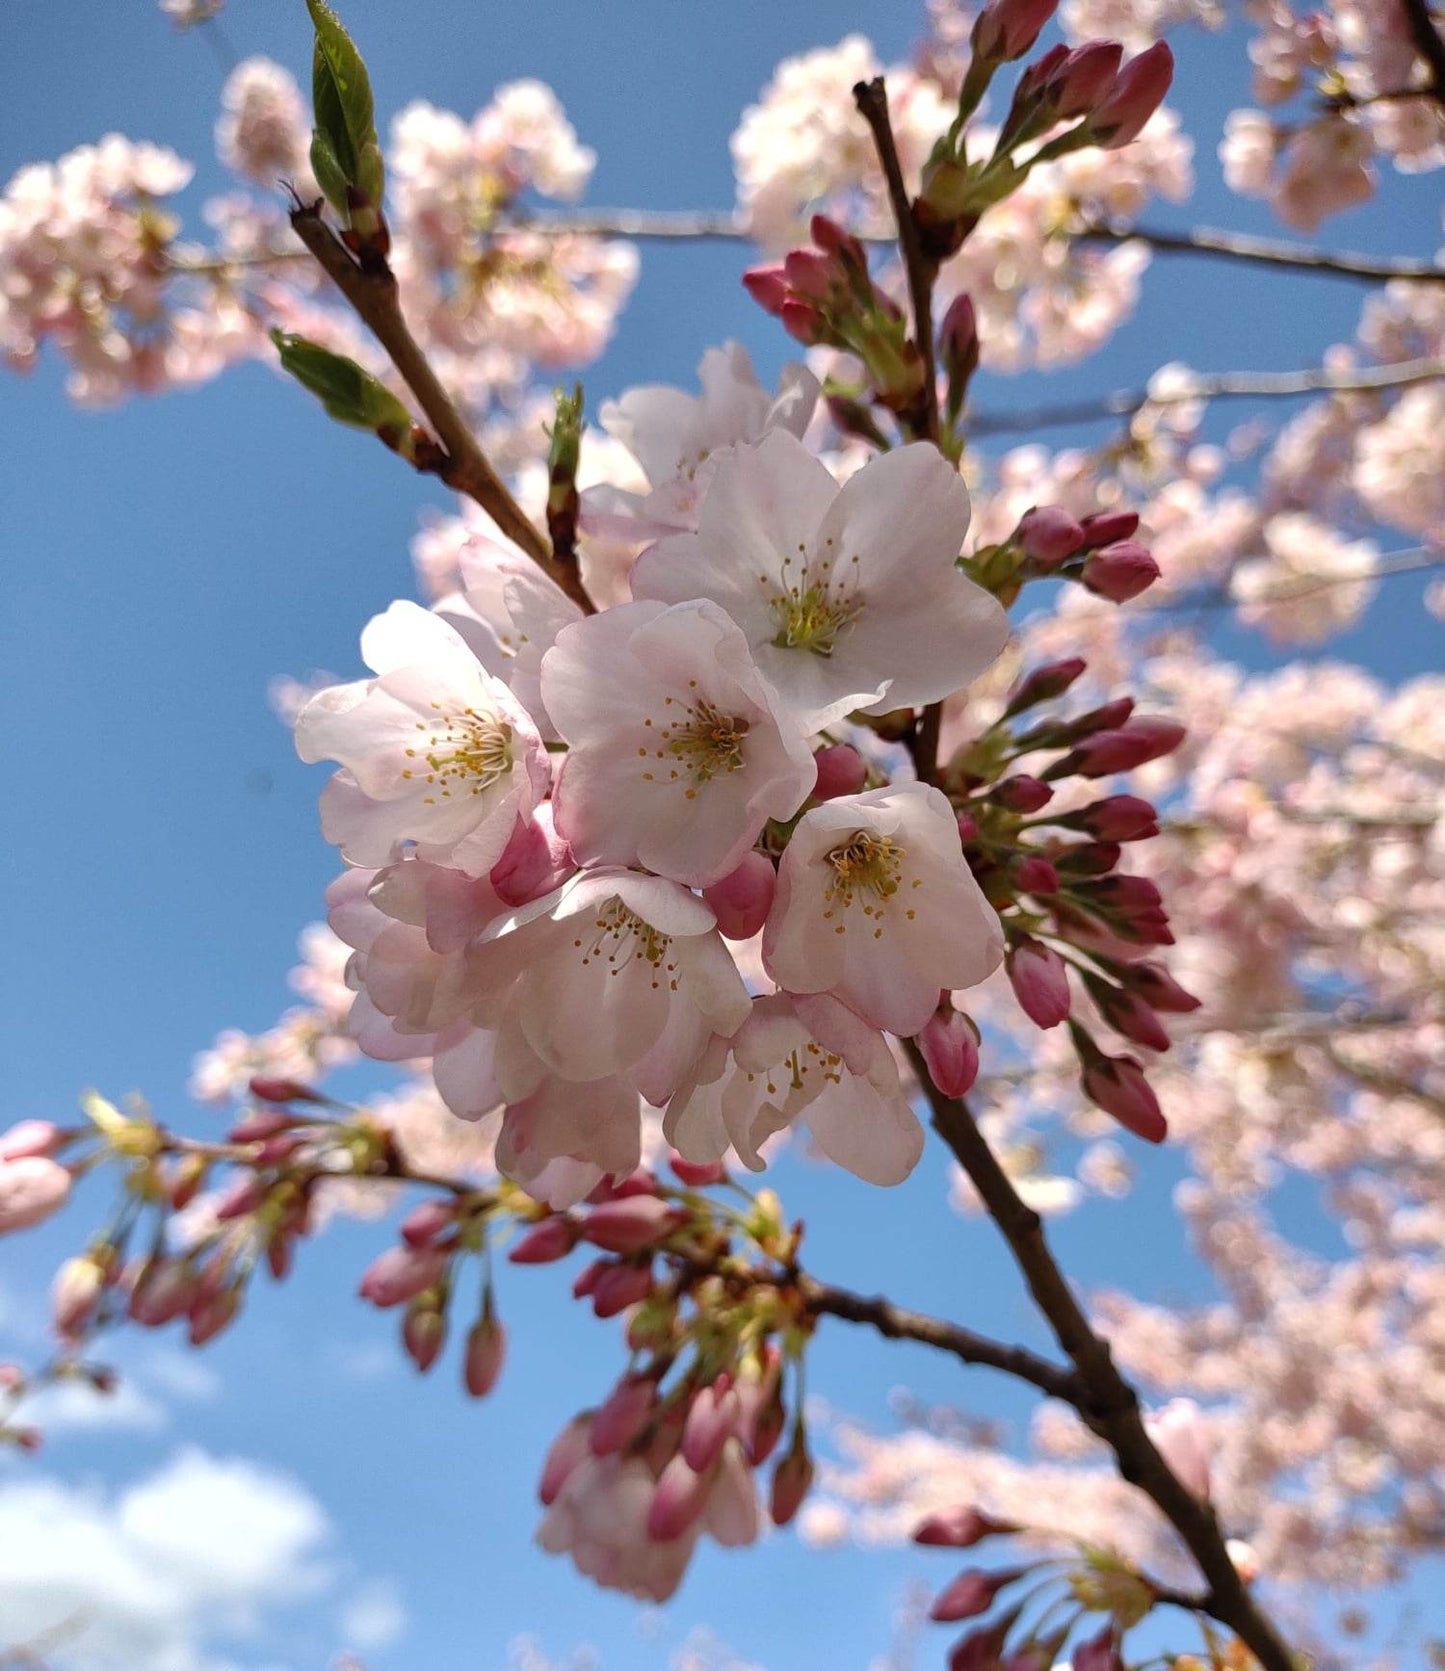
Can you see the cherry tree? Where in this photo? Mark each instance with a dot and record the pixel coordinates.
(789, 767)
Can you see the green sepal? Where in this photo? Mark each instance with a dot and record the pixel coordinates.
(348, 391)
(344, 150)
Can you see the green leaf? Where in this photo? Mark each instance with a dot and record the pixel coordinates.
(344, 151)
(348, 391)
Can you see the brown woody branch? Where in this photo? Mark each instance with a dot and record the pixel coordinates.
(1270, 252)
(898, 1324)
(1229, 385)
(372, 292)
(1109, 1405)
(871, 97)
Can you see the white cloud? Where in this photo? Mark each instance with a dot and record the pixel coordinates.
(373, 1619)
(76, 1407)
(150, 1578)
(183, 1375)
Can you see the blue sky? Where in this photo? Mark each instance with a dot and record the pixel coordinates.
(164, 562)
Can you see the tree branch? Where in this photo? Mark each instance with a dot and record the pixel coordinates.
(897, 1324)
(1109, 1405)
(373, 294)
(1228, 385)
(1428, 43)
(871, 97)
(1271, 252)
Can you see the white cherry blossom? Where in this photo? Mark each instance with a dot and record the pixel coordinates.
(799, 1057)
(435, 751)
(677, 756)
(877, 905)
(676, 437)
(849, 596)
(613, 973)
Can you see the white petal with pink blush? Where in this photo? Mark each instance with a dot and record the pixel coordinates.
(678, 754)
(876, 905)
(850, 597)
(435, 751)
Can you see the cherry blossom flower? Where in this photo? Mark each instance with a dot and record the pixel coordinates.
(794, 1058)
(675, 437)
(637, 955)
(677, 755)
(435, 751)
(877, 906)
(849, 597)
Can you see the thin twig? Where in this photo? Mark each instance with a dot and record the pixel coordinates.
(871, 97)
(1428, 43)
(897, 1324)
(1302, 586)
(1110, 1405)
(1227, 385)
(1271, 252)
(373, 294)
(714, 225)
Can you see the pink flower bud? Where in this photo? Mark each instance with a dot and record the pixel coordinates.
(1044, 684)
(423, 1334)
(212, 1312)
(401, 1273)
(768, 287)
(1137, 93)
(679, 1499)
(1146, 737)
(792, 1480)
(31, 1189)
(841, 771)
(257, 1126)
(568, 1451)
(1116, 818)
(485, 1355)
(1040, 981)
(1184, 1437)
(535, 860)
(833, 239)
(981, 1649)
(1008, 28)
(164, 1289)
(1158, 988)
(967, 826)
(242, 1196)
(961, 1528)
(949, 1046)
(587, 1279)
(712, 1419)
(26, 1438)
(75, 1294)
(552, 1239)
(426, 1221)
(803, 322)
(1120, 571)
(266, 1088)
(630, 1225)
(971, 1593)
(958, 345)
(1084, 78)
(1128, 1015)
(627, 1410)
(1033, 875)
(1048, 535)
(1022, 793)
(29, 1138)
(742, 899)
(619, 1287)
(640, 1181)
(1099, 1653)
(767, 1427)
(1118, 1086)
(1104, 527)
(697, 1174)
